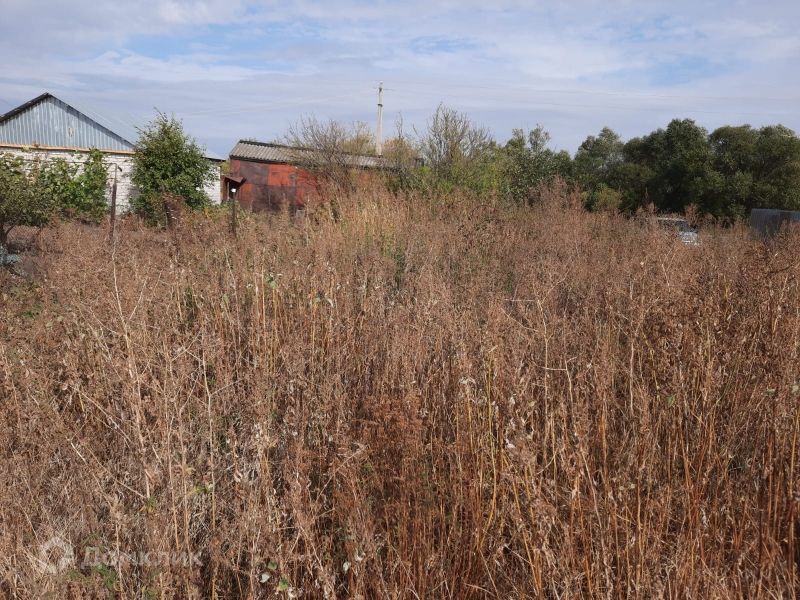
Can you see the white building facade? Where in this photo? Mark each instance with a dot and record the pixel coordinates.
(47, 128)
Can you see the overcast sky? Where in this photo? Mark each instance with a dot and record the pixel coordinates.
(232, 68)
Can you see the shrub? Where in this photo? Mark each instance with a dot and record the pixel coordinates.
(604, 199)
(77, 190)
(23, 197)
(168, 161)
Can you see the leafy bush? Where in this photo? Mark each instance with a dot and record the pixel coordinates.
(168, 161)
(604, 199)
(32, 193)
(528, 163)
(78, 191)
(23, 201)
(89, 203)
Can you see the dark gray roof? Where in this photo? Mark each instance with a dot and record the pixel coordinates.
(278, 153)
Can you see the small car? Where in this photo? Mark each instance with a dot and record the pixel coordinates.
(681, 229)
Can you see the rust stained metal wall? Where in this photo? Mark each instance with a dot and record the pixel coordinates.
(272, 187)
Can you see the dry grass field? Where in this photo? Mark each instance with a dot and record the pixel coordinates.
(401, 399)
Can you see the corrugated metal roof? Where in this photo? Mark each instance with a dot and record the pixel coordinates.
(278, 153)
(48, 121)
(124, 125)
(69, 123)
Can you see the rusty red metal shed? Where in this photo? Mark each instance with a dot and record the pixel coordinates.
(273, 177)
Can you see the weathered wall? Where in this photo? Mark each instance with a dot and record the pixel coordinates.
(270, 186)
(119, 160)
(214, 189)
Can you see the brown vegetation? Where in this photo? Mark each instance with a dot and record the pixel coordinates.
(411, 400)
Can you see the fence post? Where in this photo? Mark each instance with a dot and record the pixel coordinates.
(113, 223)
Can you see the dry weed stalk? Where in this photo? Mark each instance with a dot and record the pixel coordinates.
(414, 399)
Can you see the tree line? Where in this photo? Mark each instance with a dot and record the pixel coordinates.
(725, 173)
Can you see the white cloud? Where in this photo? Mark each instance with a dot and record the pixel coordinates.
(237, 68)
(173, 70)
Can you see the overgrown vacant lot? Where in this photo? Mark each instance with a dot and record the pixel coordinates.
(402, 399)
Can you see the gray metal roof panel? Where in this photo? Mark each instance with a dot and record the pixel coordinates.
(123, 125)
(278, 153)
(48, 120)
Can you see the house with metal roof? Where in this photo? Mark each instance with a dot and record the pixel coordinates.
(270, 176)
(50, 127)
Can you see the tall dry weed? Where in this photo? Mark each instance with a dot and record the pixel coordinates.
(402, 398)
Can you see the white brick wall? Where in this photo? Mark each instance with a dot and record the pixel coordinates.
(214, 189)
(114, 160)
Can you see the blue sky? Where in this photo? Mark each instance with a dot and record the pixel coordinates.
(233, 68)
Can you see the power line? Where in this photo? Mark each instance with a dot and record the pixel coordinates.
(500, 86)
(626, 94)
(419, 88)
(234, 110)
(536, 102)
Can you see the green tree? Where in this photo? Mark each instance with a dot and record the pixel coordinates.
(730, 194)
(776, 169)
(674, 167)
(754, 169)
(168, 161)
(529, 162)
(23, 201)
(457, 153)
(597, 160)
(633, 182)
(724, 174)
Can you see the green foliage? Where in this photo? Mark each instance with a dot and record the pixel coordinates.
(90, 201)
(32, 194)
(168, 161)
(458, 154)
(79, 192)
(527, 162)
(724, 174)
(776, 169)
(598, 160)
(23, 201)
(604, 199)
(679, 161)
